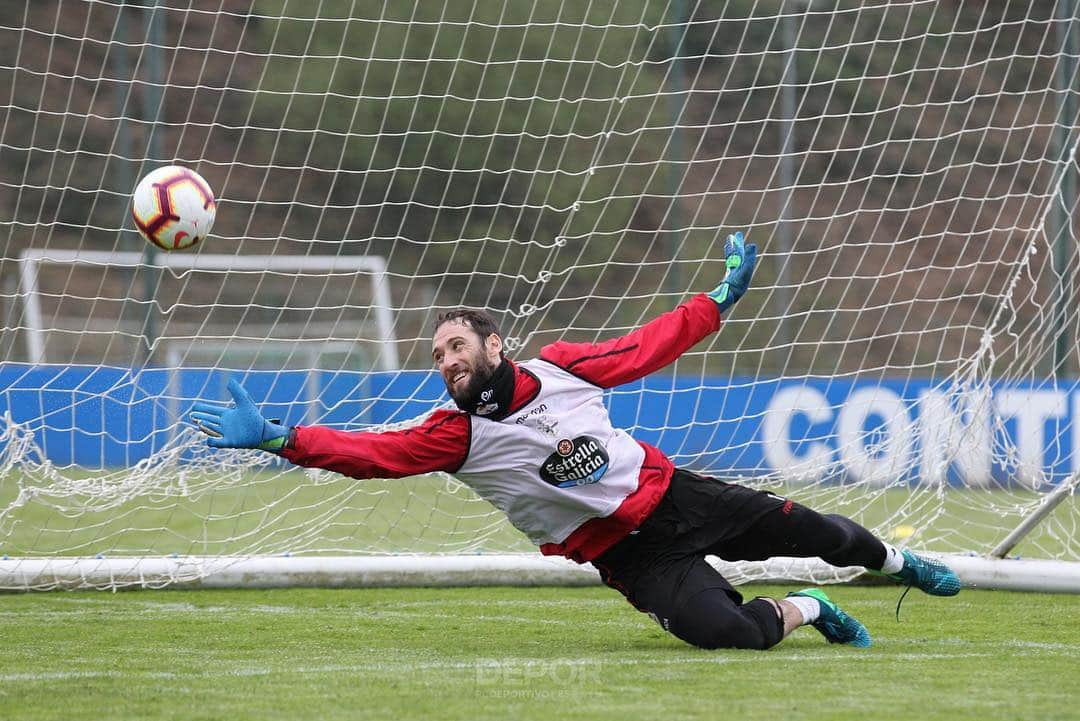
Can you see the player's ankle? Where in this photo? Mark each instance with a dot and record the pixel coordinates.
(894, 560)
(809, 608)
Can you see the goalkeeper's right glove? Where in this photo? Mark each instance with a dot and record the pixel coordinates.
(239, 426)
(740, 260)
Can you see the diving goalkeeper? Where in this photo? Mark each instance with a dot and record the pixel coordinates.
(534, 439)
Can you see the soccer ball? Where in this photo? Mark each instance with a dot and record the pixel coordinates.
(173, 207)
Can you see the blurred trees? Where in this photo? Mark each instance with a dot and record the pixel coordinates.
(575, 164)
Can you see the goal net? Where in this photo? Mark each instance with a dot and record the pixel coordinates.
(907, 355)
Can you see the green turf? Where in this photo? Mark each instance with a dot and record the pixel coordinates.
(522, 654)
(269, 513)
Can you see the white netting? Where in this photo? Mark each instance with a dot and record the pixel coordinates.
(907, 355)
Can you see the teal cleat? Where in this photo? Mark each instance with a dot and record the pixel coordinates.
(835, 625)
(927, 575)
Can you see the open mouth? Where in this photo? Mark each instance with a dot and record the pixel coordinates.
(458, 377)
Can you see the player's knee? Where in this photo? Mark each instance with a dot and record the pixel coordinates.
(836, 539)
(753, 625)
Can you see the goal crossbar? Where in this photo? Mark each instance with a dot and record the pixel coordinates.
(31, 259)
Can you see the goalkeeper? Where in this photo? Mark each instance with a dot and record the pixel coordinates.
(534, 439)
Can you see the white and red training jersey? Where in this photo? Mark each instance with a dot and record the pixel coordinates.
(563, 475)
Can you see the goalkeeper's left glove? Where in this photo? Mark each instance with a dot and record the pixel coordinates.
(241, 426)
(740, 261)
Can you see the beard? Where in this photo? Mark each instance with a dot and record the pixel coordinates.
(479, 379)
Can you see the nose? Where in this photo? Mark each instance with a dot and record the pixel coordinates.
(448, 363)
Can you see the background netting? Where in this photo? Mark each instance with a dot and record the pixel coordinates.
(907, 169)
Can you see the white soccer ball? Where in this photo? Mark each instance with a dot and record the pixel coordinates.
(173, 207)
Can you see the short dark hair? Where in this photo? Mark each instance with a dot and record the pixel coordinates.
(480, 321)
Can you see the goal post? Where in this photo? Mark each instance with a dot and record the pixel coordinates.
(31, 259)
(907, 355)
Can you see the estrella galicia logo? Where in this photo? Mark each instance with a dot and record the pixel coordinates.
(577, 462)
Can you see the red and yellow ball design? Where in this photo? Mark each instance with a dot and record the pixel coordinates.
(173, 207)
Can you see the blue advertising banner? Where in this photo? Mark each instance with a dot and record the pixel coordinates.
(798, 429)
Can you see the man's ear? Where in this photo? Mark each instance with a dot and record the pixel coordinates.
(493, 345)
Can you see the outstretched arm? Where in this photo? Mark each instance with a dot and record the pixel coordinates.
(439, 443)
(662, 340)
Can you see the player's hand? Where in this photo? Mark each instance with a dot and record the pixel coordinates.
(238, 426)
(740, 259)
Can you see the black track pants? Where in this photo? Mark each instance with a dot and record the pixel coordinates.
(661, 568)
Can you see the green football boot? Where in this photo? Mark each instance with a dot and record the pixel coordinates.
(927, 575)
(835, 625)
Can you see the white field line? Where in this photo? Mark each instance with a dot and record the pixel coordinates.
(1038, 645)
(631, 622)
(615, 601)
(543, 667)
(143, 609)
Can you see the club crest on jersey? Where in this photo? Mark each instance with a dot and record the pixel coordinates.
(547, 426)
(578, 462)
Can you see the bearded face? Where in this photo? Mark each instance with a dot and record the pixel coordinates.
(464, 360)
(473, 382)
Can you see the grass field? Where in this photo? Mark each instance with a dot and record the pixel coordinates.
(266, 512)
(494, 653)
(520, 653)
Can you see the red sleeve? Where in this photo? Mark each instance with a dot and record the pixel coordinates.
(440, 443)
(647, 349)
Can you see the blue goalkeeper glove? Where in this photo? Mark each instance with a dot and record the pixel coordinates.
(740, 261)
(239, 426)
